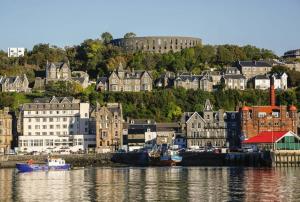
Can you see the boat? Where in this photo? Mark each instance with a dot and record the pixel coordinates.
(162, 156)
(51, 164)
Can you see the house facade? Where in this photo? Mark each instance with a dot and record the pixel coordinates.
(14, 84)
(6, 136)
(106, 124)
(257, 119)
(195, 82)
(206, 130)
(50, 124)
(234, 81)
(122, 80)
(262, 82)
(251, 69)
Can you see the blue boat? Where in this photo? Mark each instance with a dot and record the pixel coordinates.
(51, 164)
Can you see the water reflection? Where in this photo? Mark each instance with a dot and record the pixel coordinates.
(146, 184)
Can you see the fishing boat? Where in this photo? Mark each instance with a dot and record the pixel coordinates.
(51, 164)
(162, 156)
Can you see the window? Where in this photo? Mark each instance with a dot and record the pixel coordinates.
(37, 120)
(57, 126)
(51, 119)
(44, 126)
(29, 120)
(37, 133)
(86, 114)
(51, 133)
(44, 119)
(44, 133)
(37, 126)
(65, 119)
(29, 127)
(51, 126)
(65, 126)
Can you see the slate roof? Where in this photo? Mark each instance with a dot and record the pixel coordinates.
(234, 76)
(102, 80)
(253, 64)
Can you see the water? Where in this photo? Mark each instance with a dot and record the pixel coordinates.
(152, 184)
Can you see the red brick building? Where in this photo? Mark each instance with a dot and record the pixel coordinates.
(257, 119)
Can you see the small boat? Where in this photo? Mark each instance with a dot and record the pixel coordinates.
(162, 156)
(51, 164)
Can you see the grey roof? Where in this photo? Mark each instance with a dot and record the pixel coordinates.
(253, 64)
(79, 79)
(267, 76)
(49, 99)
(234, 76)
(261, 77)
(102, 80)
(57, 65)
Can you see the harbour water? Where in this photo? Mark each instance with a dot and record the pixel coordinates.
(152, 184)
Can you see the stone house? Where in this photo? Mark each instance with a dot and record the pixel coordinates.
(61, 71)
(195, 82)
(106, 124)
(122, 80)
(102, 84)
(165, 80)
(234, 81)
(14, 84)
(251, 69)
(204, 129)
(6, 136)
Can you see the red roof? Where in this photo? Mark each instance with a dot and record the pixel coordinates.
(266, 137)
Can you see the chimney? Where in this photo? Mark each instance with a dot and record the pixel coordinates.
(272, 92)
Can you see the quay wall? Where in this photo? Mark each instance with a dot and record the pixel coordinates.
(76, 160)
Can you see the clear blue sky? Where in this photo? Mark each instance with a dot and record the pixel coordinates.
(272, 24)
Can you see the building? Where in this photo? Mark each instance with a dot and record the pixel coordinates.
(166, 80)
(195, 82)
(15, 52)
(257, 119)
(234, 81)
(251, 69)
(51, 124)
(102, 84)
(14, 84)
(262, 82)
(6, 136)
(61, 71)
(205, 129)
(269, 140)
(215, 76)
(106, 124)
(58, 71)
(157, 44)
(138, 132)
(292, 54)
(166, 133)
(122, 80)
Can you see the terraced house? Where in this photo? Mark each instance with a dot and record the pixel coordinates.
(106, 124)
(5, 130)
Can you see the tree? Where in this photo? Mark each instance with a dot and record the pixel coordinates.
(106, 37)
(129, 35)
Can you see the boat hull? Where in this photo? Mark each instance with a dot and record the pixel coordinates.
(23, 167)
(154, 161)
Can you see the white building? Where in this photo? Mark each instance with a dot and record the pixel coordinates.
(262, 82)
(52, 124)
(15, 52)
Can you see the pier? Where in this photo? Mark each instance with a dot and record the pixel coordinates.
(285, 158)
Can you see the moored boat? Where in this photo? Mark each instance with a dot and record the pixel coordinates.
(51, 164)
(163, 156)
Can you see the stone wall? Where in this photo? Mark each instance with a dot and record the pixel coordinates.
(157, 44)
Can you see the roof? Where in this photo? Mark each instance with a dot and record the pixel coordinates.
(266, 137)
(234, 76)
(253, 64)
(267, 109)
(262, 77)
(102, 80)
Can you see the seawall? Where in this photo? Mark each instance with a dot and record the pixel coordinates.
(76, 160)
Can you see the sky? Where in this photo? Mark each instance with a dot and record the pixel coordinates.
(271, 24)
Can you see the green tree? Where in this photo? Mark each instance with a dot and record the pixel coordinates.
(106, 37)
(129, 35)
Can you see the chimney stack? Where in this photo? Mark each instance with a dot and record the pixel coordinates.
(272, 92)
